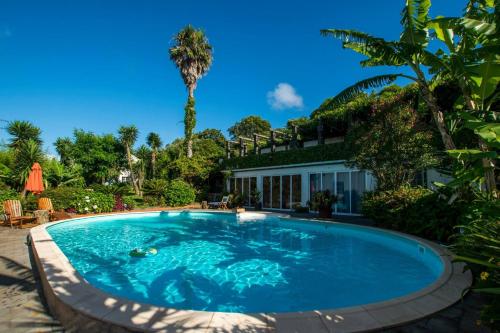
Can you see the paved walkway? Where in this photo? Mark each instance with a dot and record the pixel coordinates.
(22, 308)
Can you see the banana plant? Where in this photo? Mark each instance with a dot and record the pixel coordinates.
(410, 51)
(472, 59)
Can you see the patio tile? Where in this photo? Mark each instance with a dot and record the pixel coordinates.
(392, 315)
(236, 322)
(175, 321)
(298, 323)
(348, 320)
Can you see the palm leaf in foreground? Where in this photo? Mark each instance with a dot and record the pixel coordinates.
(350, 92)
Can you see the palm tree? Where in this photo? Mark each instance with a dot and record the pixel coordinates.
(26, 154)
(64, 147)
(23, 131)
(128, 136)
(192, 54)
(409, 51)
(154, 142)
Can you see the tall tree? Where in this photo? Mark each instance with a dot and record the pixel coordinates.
(409, 51)
(26, 143)
(21, 131)
(472, 60)
(26, 154)
(128, 137)
(100, 156)
(64, 147)
(192, 54)
(154, 142)
(248, 126)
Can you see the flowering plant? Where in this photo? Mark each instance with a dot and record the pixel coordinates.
(85, 201)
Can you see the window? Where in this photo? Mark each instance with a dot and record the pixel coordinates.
(357, 189)
(239, 187)
(314, 183)
(296, 190)
(285, 192)
(253, 188)
(246, 191)
(232, 184)
(328, 182)
(343, 192)
(275, 196)
(266, 192)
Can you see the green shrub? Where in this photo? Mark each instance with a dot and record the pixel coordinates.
(478, 245)
(130, 201)
(61, 197)
(77, 199)
(122, 189)
(86, 201)
(414, 210)
(179, 193)
(155, 187)
(152, 201)
(7, 194)
(327, 152)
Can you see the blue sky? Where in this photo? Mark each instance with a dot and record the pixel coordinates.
(97, 65)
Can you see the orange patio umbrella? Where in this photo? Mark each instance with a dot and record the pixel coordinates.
(35, 181)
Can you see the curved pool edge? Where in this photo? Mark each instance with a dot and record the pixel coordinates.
(80, 306)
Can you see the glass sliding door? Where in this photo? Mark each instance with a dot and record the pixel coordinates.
(314, 184)
(253, 188)
(232, 185)
(266, 192)
(276, 189)
(239, 186)
(343, 192)
(246, 191)
(296, 190)
(357, 189)
(285, 192)
(328, 182)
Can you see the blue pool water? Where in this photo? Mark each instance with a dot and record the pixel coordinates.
(218, 262)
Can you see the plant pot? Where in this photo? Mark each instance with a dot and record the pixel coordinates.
(325, 212)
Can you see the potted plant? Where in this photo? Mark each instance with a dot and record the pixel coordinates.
(322, 202)
(255, 196)
(237, 202)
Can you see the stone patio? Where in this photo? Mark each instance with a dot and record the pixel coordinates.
(22, 309)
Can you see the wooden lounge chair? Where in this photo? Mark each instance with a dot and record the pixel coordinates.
(46, 204)
(14, 213)
(220, 204)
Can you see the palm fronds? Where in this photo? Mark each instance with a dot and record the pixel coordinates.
(357, 88)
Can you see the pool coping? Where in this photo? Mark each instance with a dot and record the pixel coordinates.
(77, 303)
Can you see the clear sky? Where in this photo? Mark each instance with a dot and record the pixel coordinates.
(97, 65)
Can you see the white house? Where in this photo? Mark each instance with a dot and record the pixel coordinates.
(283, 187)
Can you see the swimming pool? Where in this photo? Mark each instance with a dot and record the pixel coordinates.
(252, 263)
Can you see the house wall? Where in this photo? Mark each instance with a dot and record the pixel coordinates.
(305, 170)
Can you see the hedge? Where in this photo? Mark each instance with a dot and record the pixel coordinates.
(414, 210)
(319, 153)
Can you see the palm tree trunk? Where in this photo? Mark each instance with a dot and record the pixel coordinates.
(438, 116)
(489, 170)
(153, 163)
(488, 164)
(431, 102)
(134, 183)
(189, 124)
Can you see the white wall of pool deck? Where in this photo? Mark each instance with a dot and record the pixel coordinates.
(306, 169)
